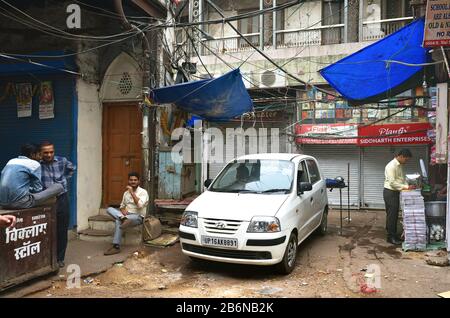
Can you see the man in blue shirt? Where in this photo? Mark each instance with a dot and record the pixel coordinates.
(20, 181)
(56, 170)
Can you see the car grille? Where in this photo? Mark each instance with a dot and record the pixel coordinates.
(227, 253)
(218, 226)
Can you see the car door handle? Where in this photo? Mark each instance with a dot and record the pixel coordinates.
(321, 190)
(311, 200)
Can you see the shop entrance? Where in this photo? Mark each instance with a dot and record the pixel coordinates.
(122, 127)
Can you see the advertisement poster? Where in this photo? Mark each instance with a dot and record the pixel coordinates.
(46, 103)
(24, 99)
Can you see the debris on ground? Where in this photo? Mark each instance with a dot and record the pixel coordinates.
(166, 239)
(437, 258)
(445, 294)
(269, 290)
(88, 280)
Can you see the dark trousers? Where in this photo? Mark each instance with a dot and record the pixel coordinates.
(392, 202)
(62, 225)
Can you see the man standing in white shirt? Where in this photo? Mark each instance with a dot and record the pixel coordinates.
(394, 182)
(131, 212)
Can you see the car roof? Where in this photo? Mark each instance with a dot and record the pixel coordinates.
(274, 156)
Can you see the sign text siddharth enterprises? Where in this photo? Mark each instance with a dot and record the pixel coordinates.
(394, 134)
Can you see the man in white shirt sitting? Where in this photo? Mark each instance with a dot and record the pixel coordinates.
(131, 212)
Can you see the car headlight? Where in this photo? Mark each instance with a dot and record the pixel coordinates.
(264, 224)
(189, 218)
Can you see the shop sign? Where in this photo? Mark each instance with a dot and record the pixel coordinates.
(437, 23)
(344, 134)
(394, 134)
(265, 116)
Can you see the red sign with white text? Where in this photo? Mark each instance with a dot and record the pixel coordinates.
(394, 134)
(335, 134)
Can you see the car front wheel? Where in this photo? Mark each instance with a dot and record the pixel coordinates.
(287, 265)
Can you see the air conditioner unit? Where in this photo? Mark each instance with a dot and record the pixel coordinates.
(272, 79)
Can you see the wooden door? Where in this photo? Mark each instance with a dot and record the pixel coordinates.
(122, 126)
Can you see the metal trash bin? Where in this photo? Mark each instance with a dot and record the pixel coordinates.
(28, 250)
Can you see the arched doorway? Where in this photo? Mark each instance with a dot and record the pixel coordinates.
(122, 126)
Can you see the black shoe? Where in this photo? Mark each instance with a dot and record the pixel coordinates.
(394, 241)
(61, 264)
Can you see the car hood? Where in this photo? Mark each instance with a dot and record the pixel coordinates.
(236, 206)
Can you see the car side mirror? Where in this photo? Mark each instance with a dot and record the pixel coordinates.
(303, 187)
(207, 183)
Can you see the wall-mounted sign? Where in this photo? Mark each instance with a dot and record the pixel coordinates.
(46, 104)
(394, 134)
(437, 23)
(24, 99)
(327, 134)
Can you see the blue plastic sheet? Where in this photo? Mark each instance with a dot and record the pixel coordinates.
(217, 99)
(366, 76)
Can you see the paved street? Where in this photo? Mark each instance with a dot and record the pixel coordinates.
(330, 266)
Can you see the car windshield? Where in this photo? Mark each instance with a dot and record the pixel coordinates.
(255, 176)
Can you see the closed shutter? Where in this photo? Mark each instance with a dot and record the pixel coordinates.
(333, 162)
(374, 160)
(230, 151)
(15, 132)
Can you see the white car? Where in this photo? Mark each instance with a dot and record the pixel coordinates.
(257, 211)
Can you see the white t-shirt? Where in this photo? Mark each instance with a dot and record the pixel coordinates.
(128, 202)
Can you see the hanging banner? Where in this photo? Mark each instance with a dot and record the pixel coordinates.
(441, 123)
(437, 23)
(344, 134)
(24, 99)
(394, 134)
(46, 103)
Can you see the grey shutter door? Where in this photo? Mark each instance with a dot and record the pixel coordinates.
(333, 162)
(374, 160)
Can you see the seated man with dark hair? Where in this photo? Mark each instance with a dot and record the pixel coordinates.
(131, 212)
(20, 181)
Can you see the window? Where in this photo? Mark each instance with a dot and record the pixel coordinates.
(314, 174)
(248, 26)
(302, 172)
(332, 14)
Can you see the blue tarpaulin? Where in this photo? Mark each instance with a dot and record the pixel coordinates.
(379, 71)
(216, 99)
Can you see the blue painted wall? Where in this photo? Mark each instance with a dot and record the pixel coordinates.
(61, 130)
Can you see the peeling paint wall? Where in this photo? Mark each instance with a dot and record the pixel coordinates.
(89, 148)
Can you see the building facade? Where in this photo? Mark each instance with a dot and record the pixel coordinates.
(303, 39)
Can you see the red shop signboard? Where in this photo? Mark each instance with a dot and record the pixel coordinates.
(394, 134)
(327, 134)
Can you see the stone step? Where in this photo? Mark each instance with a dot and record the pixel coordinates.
(102, 211)
(102, 223)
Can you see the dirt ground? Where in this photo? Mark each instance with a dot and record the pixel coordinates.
(329, 266)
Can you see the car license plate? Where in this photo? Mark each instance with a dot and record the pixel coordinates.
(220, 241)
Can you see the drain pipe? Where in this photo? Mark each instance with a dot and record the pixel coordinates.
(147, 114)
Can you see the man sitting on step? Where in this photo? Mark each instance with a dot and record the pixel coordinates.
(131, 212)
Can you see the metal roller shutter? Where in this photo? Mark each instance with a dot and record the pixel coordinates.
(60, 130)
(374, 160)
(333, 161)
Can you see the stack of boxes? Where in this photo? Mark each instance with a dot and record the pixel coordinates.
(414, 222)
